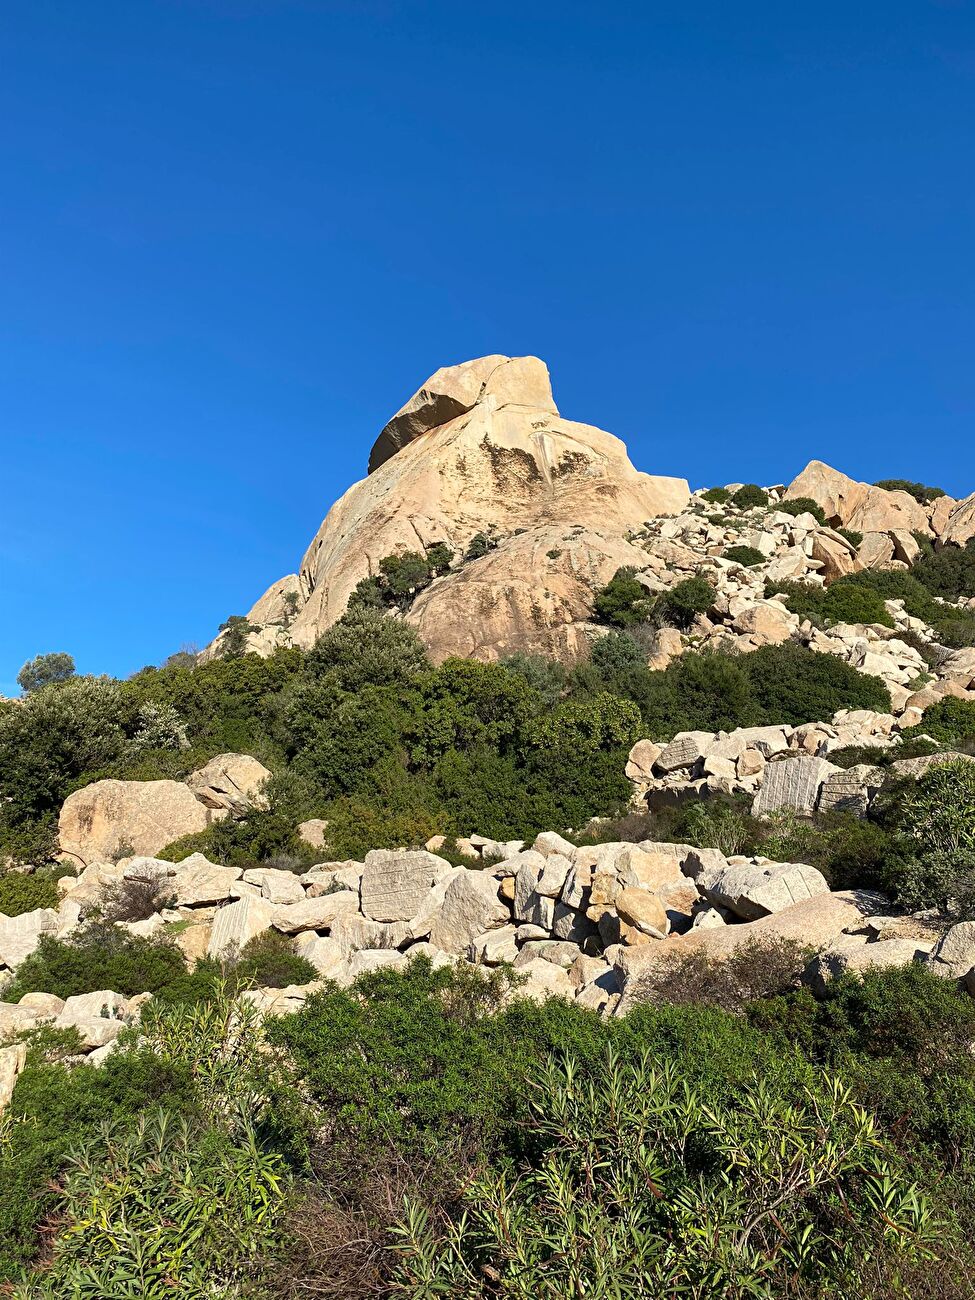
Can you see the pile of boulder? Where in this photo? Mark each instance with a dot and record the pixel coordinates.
(784, 769)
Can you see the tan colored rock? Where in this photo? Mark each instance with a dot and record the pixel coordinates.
(813, 923)
(396, 882)
(876, 550)
(639, 764)
(313, 831)
(835, 554)
(533, 593)
(470, 908)
(858, 506)
(12, 1061)
(237, 923)
(959, 527)
(110, 819)
(767, 621)
(230, 781)
(454, 390)
(499, 459)
(643, 911)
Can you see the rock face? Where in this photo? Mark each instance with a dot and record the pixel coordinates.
(481, 448)
(111, 819)
(858, 506)
(230, 781)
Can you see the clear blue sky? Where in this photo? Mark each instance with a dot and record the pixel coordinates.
(235, 235)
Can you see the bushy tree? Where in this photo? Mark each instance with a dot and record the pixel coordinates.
(235, 631)
(919, 491)
(368, 648)
(616, 652)
(56, 735)
(791, 684)
(746, 555)
(683, 602)
(45, 670)
(802, 506)
(748, 496)
(624, 599)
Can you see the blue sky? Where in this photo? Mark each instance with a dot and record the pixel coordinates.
(236, 234)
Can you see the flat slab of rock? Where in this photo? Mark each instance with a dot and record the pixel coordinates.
(792, 785)
(111, 819)
(396, 882)
(237, 923)
(753, 891)
(276, 886)
(200, 882)
(314, 913)
(20, 935)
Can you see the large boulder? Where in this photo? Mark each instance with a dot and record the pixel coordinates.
(959, 526)
(396, 882)
(857, 506)
(792, 785)
(751, 890)
(470, 908)
(481, 448)
(230, 781)
(111, 819)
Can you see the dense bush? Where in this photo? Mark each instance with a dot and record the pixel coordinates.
(950, 721)
(803, 506)
(721, 1198)
(684, 601)
(839, 603)
(922, 494)
(25, 891)
(748, 496)
(401, 578)
(952, 626)
(718, 496)
(746, 555)
(101, 956)
(949, 573)
(623, 600)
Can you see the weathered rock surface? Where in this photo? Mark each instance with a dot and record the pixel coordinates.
(110, 819)
(858, 506)
(230, 781)
(481, 448)
(395, 883)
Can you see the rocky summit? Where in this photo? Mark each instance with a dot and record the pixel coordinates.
(480, 450)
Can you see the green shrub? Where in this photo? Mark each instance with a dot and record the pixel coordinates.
(949, 573)
(794, 685)
(479, 545)
(54, 1110)
(852, 536)
(624, 599)
(842, 602)
(100, 956)
(636, 1187)
(922, 494)
(163, 1206)
(855, 604)
(718, 496)
(803, 506)
(269, 961)
(748, 496)
(950, 721)
(683, 602)
(26, 891)
(746, 555)
(367, 648)
(615, 652)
